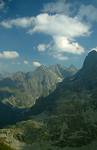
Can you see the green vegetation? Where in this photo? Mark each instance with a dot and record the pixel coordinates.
(4, 146)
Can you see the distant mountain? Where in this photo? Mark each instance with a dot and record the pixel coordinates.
(63, 72)
(22, 89)
(27, 87)
(58, 69)
(72, 69)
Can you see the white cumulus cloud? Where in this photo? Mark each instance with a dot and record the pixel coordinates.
(9, 54)
(63, 44)
(42, 47)
(36, 64)
(24, 22)
(26, 62)
(60, 56)
(62, 27)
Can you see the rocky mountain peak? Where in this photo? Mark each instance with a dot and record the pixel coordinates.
(91, 60)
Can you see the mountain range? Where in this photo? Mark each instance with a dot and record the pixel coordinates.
(22, 89)
(64, 118)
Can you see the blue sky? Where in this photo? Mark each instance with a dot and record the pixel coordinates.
(35, 32)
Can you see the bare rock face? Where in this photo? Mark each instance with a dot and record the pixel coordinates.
(22, 89)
